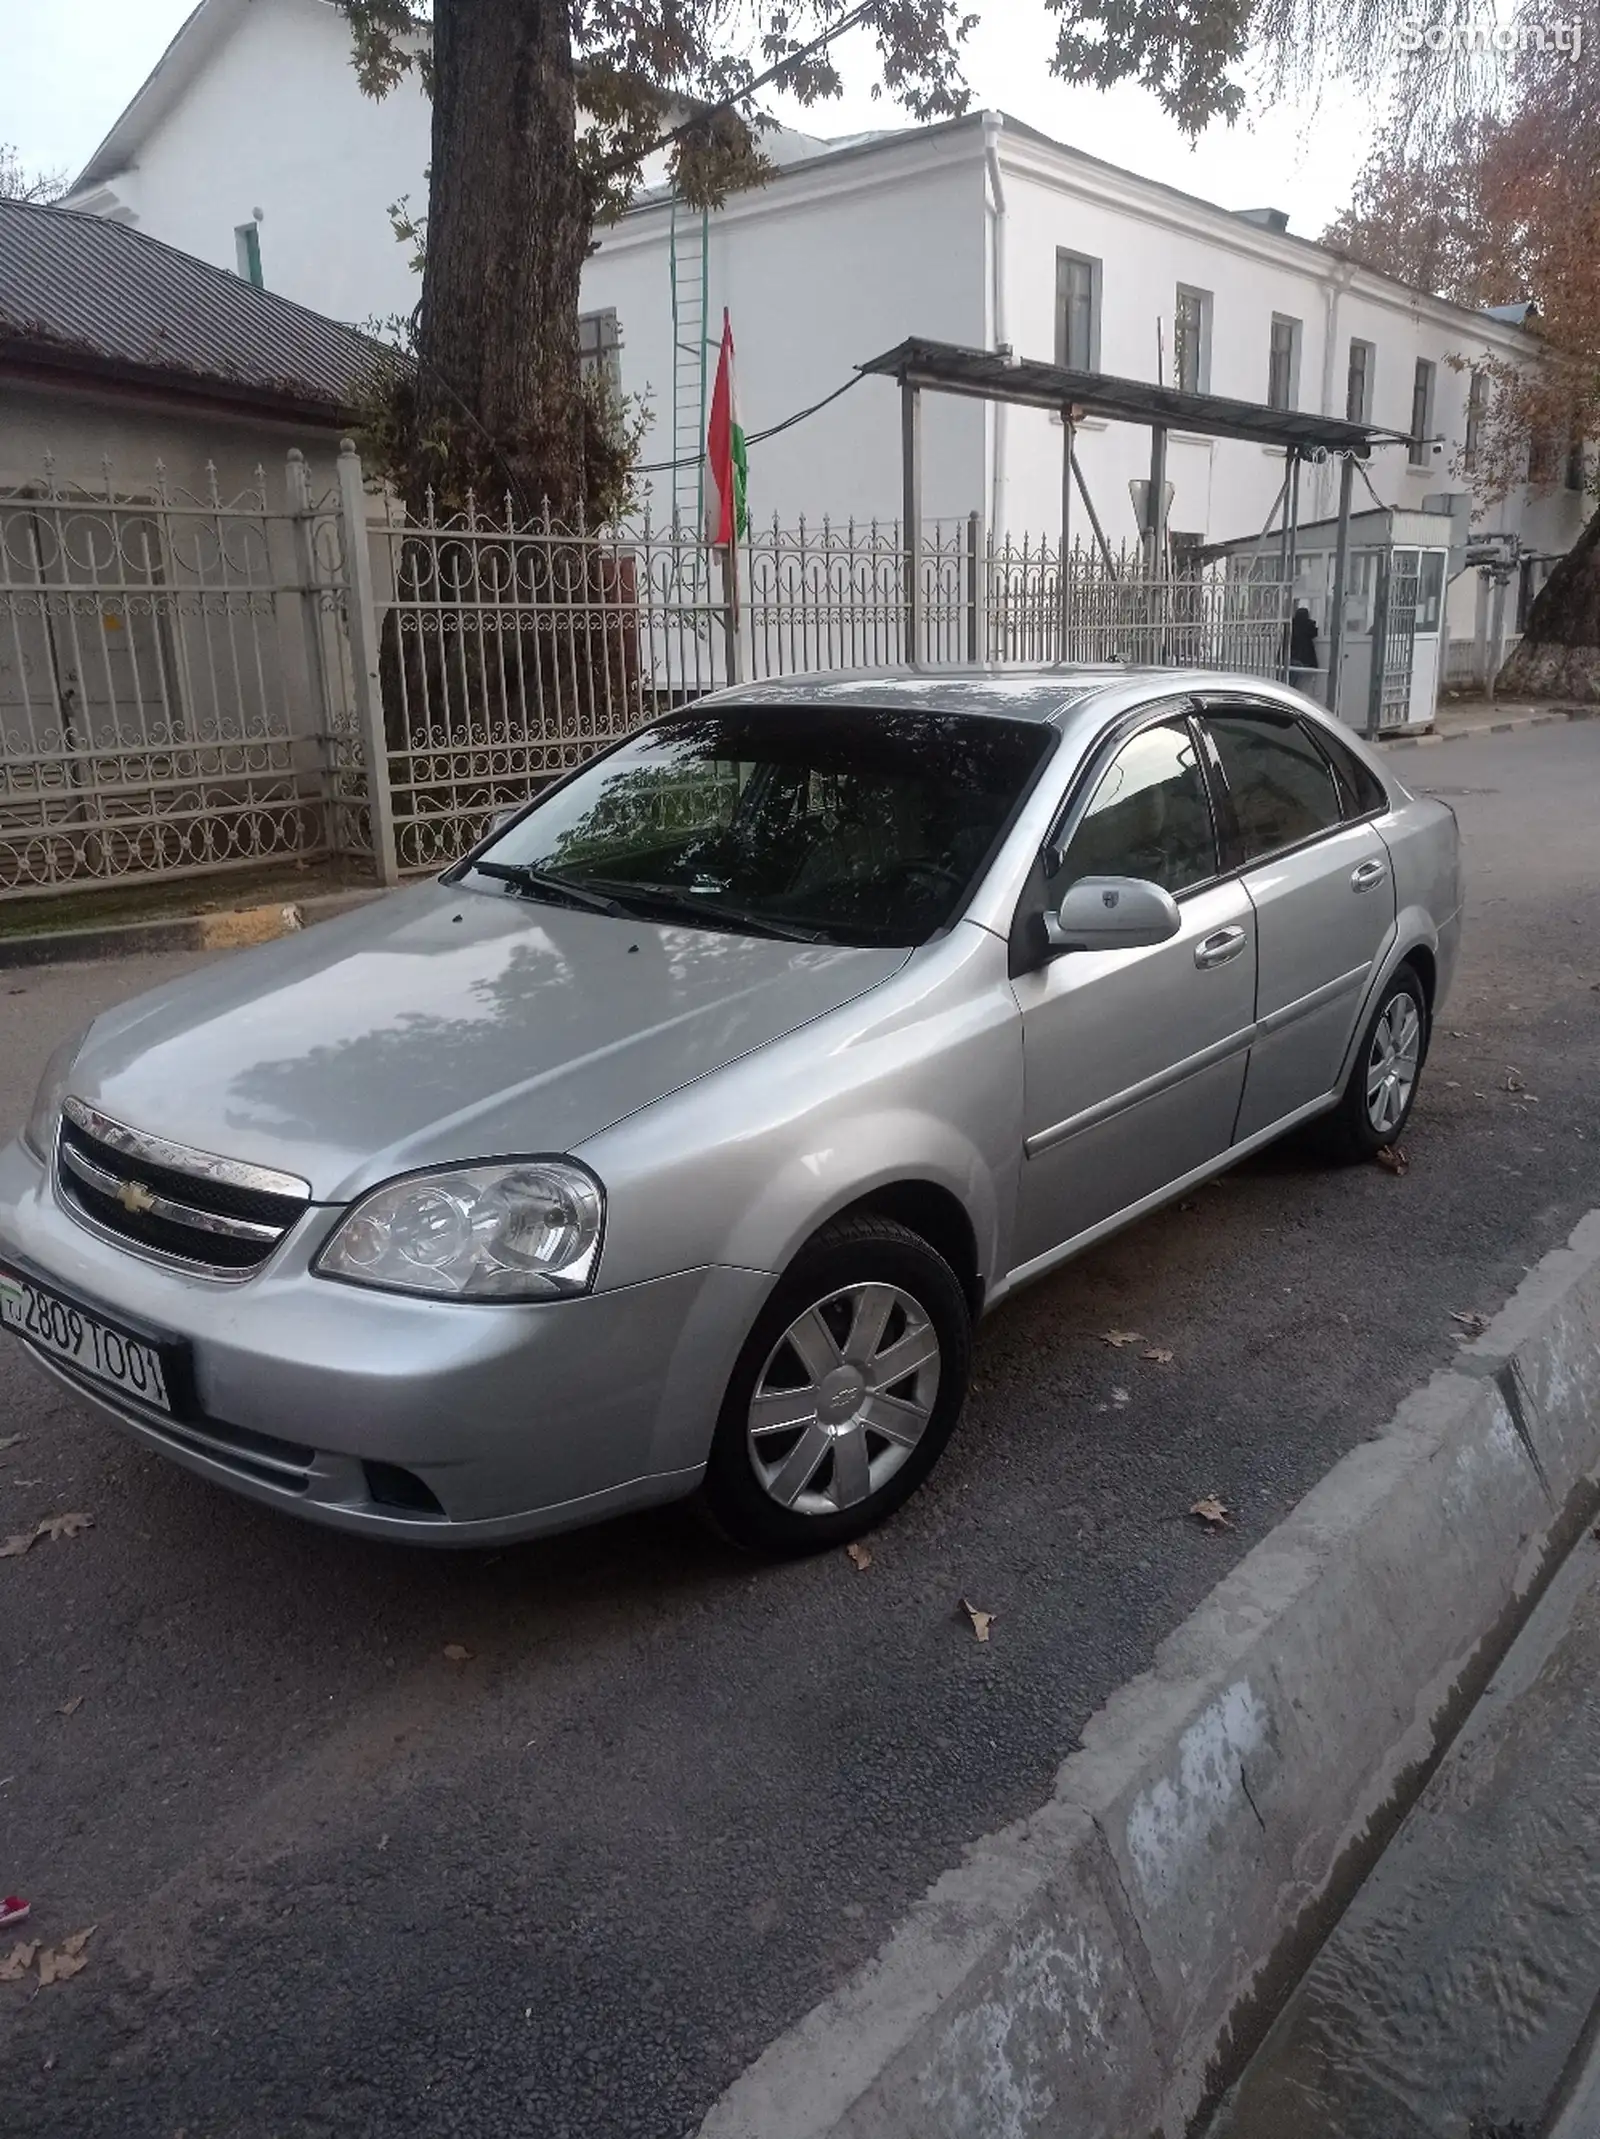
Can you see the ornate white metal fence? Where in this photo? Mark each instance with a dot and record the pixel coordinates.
(194, 683)
(156, 713)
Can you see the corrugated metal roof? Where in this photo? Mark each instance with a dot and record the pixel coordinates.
(79, 284)
(989, 376)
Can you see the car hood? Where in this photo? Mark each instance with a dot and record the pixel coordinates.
(439, 1024)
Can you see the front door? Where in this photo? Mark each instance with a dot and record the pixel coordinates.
(1322, 886)
(1134, 1060)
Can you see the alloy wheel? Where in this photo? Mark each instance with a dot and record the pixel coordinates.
(1392, 1063)
(843, 1399)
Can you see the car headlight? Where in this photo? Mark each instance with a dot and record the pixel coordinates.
(40, 1134)
(520, 1229)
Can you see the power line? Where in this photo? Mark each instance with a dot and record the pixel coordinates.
(757, 438)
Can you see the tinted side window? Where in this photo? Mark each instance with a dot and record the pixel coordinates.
(1363, 790)
(1282, 786)
(1150, 816)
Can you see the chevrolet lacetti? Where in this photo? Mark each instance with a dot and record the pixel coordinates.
(673, 1140)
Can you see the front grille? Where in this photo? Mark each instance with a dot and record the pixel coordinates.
(191, 1206)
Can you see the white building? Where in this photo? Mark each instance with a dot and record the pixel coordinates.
(251, 146)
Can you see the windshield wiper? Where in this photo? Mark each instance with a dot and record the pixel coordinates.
(521, 876)
(670, 899)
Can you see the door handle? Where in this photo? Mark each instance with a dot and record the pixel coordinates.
(1368, 876)
(1218, 949)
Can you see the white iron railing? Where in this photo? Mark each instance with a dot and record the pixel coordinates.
(196, 683)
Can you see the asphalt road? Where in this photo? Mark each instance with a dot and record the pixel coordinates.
(569, 1886)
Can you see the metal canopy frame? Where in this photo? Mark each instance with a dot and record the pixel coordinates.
(988, 375)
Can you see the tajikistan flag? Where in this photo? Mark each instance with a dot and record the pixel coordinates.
(727, 468)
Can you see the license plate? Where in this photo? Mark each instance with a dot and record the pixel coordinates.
(83, 1339)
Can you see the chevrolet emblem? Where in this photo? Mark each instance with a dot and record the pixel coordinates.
(135, 1197)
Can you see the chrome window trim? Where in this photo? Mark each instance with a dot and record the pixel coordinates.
(136, 1145)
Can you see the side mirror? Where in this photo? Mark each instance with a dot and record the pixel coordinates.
(1112, 913)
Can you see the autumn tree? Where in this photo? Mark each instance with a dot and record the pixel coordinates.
(1504, 207)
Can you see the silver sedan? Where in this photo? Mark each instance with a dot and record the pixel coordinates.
(674, 1140)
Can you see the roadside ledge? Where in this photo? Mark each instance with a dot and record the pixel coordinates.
(1105, 1967)
(227, 931)
(1455, 729)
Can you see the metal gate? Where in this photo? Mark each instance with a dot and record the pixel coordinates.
(149, 721)
(1394, 635)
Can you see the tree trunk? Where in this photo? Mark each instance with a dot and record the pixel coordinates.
(1559, 652)
(508, 229)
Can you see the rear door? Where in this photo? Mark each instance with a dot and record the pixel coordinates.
(1134, 1060)
(1321, 884)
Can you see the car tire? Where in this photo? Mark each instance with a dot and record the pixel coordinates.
(1394, 1045)
(868, 1329)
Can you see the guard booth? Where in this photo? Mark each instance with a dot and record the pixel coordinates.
(1393, 637)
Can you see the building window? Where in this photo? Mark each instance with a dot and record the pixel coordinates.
(1358, 383)
(1191, 341)
(1477, 409)
(1543, 455)
(1283, 362)
(1421, 412)
(247, 252)
(1077, 311)
(600, 347)
(1575, 461)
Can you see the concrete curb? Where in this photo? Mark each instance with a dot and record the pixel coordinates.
(1512, 722)
(1103, 1968)
(231, 930)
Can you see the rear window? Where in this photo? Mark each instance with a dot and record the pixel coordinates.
(1282, 787)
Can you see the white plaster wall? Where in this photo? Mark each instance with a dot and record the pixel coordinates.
(819, 277)
(83, 428)
(276, 121)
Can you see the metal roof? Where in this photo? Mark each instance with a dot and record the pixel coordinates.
(985, 375)
(87, 294)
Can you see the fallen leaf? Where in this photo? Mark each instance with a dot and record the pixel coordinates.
(15, 1547)
(981, 1621)
(70, 1708)
(1120, 1398)
(1512, 1082)
(18, 1961)
(59, 1526)
(1211, 1511)
(861, 1556)
(1472, 1324)
(1392, 1159)
(57, 1964)
(1120, 1337)
(11, 1441)
(456, 1653)
(1158, 1355)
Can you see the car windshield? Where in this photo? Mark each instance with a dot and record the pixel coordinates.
(827, 825)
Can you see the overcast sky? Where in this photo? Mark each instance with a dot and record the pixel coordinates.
(71, 65)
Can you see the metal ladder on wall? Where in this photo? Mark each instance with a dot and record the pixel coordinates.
(687, 252)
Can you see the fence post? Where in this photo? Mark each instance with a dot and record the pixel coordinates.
(318, 681)
(974, 522)
(361, 622)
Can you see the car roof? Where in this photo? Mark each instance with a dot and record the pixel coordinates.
(1013, 693)
(1040, 691)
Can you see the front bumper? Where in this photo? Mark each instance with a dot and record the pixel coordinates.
(517, 1419)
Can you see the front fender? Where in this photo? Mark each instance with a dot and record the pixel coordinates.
(921, 1080)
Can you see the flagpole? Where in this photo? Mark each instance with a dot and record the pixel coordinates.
(730, 605)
